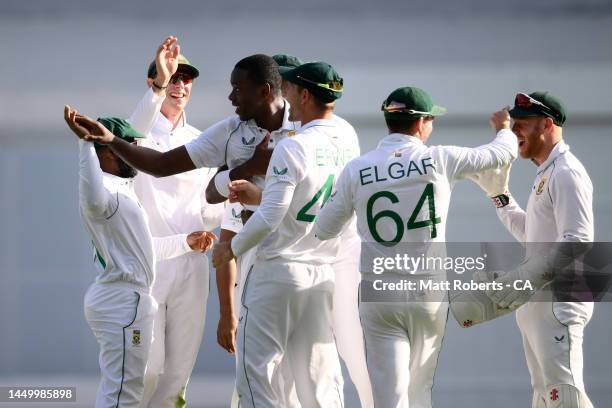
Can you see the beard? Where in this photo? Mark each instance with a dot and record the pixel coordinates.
(125, 170)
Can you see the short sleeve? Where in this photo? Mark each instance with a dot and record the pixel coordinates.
(208, 149)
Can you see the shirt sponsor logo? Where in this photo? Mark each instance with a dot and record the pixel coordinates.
(559, 339)
(541, 186)
(554, 394)
(279, 172)
(248, 142)
(136, 337)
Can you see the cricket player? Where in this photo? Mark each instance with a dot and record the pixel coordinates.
(401, 193)
(119, 307)
(241, 142)
(174, 205)
(287, 299)
(559, 209)
(345, 311)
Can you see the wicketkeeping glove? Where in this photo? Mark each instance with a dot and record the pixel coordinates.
(513, 294)
(494, 182)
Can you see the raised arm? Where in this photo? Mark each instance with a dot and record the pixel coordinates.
(463, 161)
(147, 111)
(93, 197)
(148, 160)
(166, 63)
(494, 182)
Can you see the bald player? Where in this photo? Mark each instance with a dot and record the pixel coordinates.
(401, 193)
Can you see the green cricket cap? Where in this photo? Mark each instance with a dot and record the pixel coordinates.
(410, 102)
(320, 78)
(540, 103)
(121, 128)
(183, 66)
(286, 62)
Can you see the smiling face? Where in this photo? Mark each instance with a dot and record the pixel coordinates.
(246, 95)
(530, 134)
(178, 92)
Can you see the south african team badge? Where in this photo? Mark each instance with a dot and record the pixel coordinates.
(541, 186)
(136, 337)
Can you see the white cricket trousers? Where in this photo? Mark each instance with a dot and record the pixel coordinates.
(552, 338)
(402, 342)
(345, 316)
(286, 315)
(181, 290)
(121, 317)
(346, 327)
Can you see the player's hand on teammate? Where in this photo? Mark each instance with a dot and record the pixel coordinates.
(86, 128)
(201, 241)
(493, 182)
(222, 253)
(226, 332)
(244, 192)
(500, 119)
(258, 163)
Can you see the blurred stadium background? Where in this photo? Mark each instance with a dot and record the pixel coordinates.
(471, 55)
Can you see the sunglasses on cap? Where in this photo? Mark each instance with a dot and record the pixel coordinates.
(335, 86)
(181, 76)
(523, 100)
(397, 107)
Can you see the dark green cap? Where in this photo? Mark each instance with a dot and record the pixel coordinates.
(410, 102)
(121, 128)
(286, 62)
(320, 78)
(539, 103)
(183, 66)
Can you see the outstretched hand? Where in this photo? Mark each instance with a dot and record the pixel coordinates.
(166, 60)
(86, 128)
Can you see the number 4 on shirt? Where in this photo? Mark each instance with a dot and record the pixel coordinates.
(324, 191)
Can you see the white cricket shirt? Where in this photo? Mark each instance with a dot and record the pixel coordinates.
(300, 178)
(560, 206)
(124, 250)
(401, 190)
(174, 204)
(346, 137)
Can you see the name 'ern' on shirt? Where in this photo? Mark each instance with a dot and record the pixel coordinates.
(395, 170)
(329, 157)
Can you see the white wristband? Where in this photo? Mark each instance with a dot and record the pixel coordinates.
(222, 180)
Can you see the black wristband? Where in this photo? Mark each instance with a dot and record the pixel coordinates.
(161, 88)
(501, 200)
